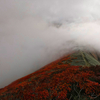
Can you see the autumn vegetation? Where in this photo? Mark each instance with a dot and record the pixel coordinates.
(56, 81)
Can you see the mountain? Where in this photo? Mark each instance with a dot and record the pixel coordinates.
(75, 76)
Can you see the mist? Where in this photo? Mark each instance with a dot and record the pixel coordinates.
(34, 33)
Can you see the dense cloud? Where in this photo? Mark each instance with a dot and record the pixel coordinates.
(33, 33)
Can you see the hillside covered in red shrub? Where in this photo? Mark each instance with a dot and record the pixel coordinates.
(73, 77)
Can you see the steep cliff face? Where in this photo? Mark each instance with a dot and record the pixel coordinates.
(73, 77)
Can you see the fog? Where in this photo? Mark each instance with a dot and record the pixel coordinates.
(34, 33)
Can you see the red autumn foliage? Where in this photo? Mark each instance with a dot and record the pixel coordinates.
(56, 81)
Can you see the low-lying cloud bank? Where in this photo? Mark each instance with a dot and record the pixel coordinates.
(33, 33)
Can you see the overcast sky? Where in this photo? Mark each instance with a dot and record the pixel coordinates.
(34, 33)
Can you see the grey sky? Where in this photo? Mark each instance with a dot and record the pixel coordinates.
(29, 38)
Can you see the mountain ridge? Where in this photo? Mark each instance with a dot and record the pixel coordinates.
(59, 80)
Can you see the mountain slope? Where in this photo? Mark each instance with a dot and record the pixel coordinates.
(73, 77)
(84, 59)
